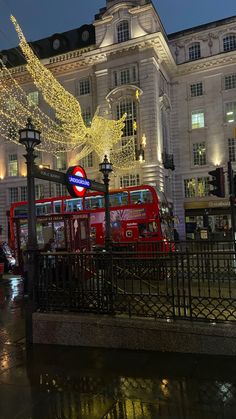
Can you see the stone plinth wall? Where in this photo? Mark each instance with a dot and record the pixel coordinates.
(139, 334)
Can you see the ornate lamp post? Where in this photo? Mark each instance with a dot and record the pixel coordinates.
(105, 168)
(30, 138)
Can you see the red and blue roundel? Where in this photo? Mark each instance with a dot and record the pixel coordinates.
(77, 187)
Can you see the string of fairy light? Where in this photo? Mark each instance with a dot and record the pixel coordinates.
(68, 131)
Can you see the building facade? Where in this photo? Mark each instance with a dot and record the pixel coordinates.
(177, 91)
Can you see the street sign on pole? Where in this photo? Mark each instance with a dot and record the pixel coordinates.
(49, 174)
(78, 182)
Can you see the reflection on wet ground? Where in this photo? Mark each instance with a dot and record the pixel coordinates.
(78, 383)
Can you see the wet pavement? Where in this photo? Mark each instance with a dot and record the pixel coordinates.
(44, 382)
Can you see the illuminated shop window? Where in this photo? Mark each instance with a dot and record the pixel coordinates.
(203, 186)
(196, 187)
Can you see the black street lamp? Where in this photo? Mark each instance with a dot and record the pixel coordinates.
(105, 168)
(30, 138)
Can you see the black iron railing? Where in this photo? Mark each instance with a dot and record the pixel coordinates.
(195, 281)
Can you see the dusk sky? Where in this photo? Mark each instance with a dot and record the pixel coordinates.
(42, 18)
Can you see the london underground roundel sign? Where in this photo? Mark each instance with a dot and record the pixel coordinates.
(76, 181)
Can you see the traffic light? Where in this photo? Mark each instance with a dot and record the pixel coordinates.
(218, 181)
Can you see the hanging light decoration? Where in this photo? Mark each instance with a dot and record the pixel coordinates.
(67, 132)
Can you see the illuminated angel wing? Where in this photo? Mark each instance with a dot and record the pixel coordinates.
(66, 106)
(16, 108)
(104, 133)
(101, 136)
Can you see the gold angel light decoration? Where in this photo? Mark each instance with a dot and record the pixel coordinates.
(68, 131)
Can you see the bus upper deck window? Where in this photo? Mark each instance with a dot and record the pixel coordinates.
(56, 207)
(94, 202)
(142, 196)
(73, 205)
(118, 199)
(44, 208)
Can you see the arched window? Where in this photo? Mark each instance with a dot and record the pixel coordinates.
(229, 43)
(123, 31)
(194, 51)
(128, 106)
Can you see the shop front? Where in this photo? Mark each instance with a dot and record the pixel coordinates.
(213, 216)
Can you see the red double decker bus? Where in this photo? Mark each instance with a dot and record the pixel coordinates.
(138, 214)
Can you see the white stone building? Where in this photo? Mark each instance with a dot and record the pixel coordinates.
(185, 107)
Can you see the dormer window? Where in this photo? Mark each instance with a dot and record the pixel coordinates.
(123, 31)
(229, 43)
(194, 51)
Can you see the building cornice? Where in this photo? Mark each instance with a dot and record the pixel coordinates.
(207, 63)
(75, 60)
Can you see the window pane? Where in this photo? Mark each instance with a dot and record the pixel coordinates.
(124, 76)
(189, 188)
(33, 98)
(23, 193)
(61, 190)
(13, 195)
(229, 43)
(203, 186)
(61, 161)
(123, 31)
(12, 165)
(87, 161)
(196, 89)
(129, 180)
(87, 117)
(39, 191)
(199, 154)
(231, 147)
(230, 81)
(194, 51)
(84, 87)
(198, 119)
(230, 110)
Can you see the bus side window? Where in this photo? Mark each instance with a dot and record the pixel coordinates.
(135, 197)
(118, 199)
(56, 207)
